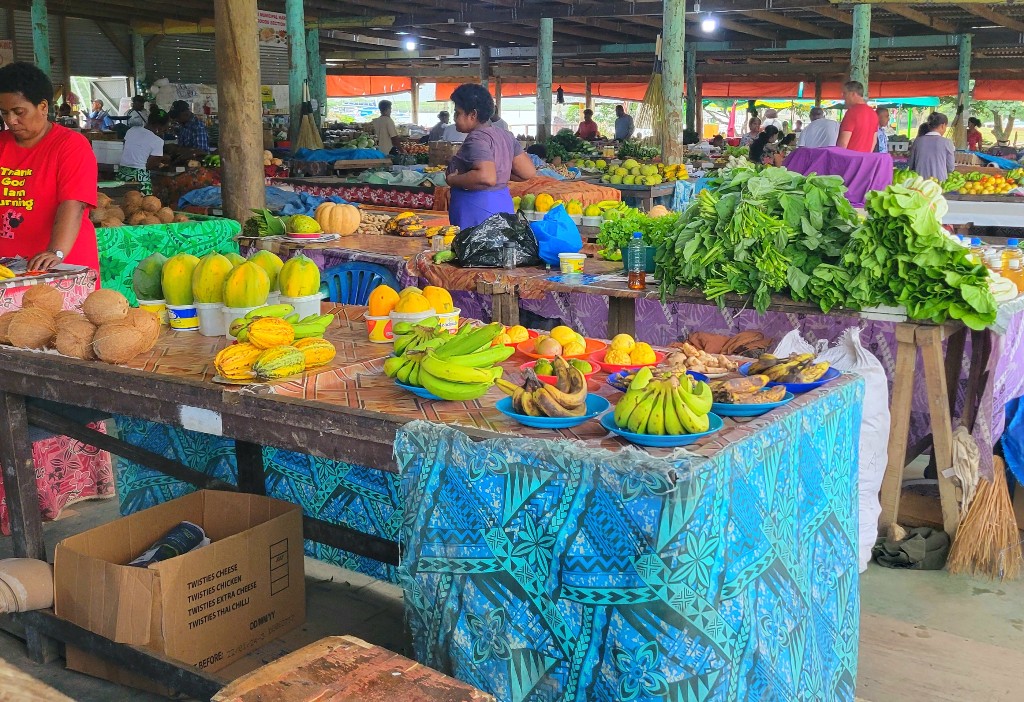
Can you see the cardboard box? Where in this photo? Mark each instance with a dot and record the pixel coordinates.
(206, 608)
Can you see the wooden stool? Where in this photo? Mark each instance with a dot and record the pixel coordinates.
(344, 669)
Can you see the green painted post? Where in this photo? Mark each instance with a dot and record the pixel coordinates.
(673, 76)
(545, 47)
(860, 46)
(317, 72)
(41, 36)
(139, 62)
(295, 24)
(910, 122)
(692, 104)
(963, 90)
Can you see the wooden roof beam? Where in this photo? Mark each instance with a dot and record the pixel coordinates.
(847, 18)
(742, 28)
(913, 15)
(773, 17)
(986, 12)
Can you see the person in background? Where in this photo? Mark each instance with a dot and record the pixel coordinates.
(822, 131)
(588, 127)
(974, 134)
(98, 118)
(489, 158)
(799, 126)
(933, 154)
(883, 124)
(192, 132)
(385, 130)
(538, 154)
(498, 122)
(788, 142)
(718, 142)
(753, 130)
(765, 147)
(623, 124)
(143, 152)
(771, 119)
(452, 135)
(438, 129)
(859, 129)
(136, 116)
(55, 169)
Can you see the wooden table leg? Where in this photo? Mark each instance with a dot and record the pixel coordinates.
(504, 302)
(252, 478)
(621, 316)
(899, 426)
(930, 342)
(955, 344)
(19, 478)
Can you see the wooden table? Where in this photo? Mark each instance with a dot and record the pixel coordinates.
(644, 196)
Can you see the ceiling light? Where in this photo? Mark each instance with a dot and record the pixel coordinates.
(469, 30)
(708, 23)
(410, 44)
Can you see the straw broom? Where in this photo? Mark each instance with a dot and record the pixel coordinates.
(309, 135)
(652, 111)
(988, 542)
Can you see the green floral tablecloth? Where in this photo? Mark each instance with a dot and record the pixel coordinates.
(122, 248)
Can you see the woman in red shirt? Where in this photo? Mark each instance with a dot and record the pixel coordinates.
(47, 177)
(588, 127)
(973, 134)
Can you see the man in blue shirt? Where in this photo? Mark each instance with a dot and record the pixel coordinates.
(623, 124)
(99, 120)
(882, 145)
(191, 130)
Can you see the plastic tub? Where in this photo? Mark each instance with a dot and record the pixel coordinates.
(571, 263)
(592, 221)
(449, 321)
(233, 313)
(411, 317)
(157, 307)
(577, 219)
(211, 318)
(183, 317)
(379, 329)
(304, 306)
(274, 298)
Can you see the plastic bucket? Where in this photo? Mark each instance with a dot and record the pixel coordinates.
(183, 317)
(571, 263)
(304, 306)
(379, 329)
(592, 221)
(211, 318)
(157, 307)
(411, 317)
(233, 313)
(449, 321)
(274, 298)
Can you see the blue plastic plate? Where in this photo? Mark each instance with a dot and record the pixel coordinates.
(661, 441)
(730, 410)
(418, 392)
(799, 388)
(595, 406)
(617, 380)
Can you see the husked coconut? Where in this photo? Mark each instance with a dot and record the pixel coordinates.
(151, 203)
(148, 325)
(98, 215)
(104, 306)
(110, 223)
(74, 339)
(117, 342)
(133, 197)
(103, 200)
(137, 218)
(151, 219)
(165, 215)
(44, 297)
(5, 322)
(115, 212)
(179, 217)
(65, 316)
(32, 328)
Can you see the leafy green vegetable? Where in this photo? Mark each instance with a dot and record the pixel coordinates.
(567, 146)
(617, 230)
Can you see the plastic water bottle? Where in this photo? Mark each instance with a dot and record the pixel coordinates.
(977, 250)
(1015, 273)
(1012, 250)
(636, 263)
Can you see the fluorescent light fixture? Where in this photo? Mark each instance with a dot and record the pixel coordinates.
(410, 44)
(469, 30)
(708, 24)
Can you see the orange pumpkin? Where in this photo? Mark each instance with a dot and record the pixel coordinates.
(382, 301)
(338, 218)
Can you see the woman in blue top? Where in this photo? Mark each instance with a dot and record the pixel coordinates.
(489, 157)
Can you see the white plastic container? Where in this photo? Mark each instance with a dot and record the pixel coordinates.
(449, 321)
(571, 263)
(577, 219)
(211, 318)
(183, 317)
(411, 317)
(274, 298)
(233, 313)
(304, 306)
(593, 221)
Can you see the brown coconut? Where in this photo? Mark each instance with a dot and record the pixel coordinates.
(165, 215)
(148, 325)
(98, 215)
(137, 218)
(115, 212)
(111, 223)
(117, 342)
(5, 322)
(133, 197)
(44, 297)
(32, 328)
(102, 200)
(151, 204)
(65, 316)
(104, 306)
(151, 219)
(181, 218)
(74, 339)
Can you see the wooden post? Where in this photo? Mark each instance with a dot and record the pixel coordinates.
(297, 73)
(238, 96)
(691, 87)
(414, 90)
(41, 36)
(497, 94)
(861, 45)
(673, 77)
(545, 47)
(317, 73)
(65, 57)
(588, 95)
(139, 62)
(817, 91)
(963, 90)
(485, 66)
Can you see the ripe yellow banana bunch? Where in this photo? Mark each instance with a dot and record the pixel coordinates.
(670, 406)
(6, 273)
(566, 398)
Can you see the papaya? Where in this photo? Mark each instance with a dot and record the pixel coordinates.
(246, 286)
(209, 276)
(236, 259)
(382, 301)
(299, 277)
(439, 298)
(271, 263)
(146, 281)
(176, 279)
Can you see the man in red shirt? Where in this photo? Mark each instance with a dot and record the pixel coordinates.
(588, 127)
(859, 129)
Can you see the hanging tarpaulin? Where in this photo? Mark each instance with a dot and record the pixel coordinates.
(363, 86)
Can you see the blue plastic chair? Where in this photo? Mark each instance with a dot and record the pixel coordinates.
(351, 283)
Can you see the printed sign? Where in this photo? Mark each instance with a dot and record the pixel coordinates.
(6, 51)
(272, 28)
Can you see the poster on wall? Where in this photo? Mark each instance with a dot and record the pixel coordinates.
(272, 28)
(6, 51)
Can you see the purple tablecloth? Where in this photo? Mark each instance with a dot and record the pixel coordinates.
(860, 171)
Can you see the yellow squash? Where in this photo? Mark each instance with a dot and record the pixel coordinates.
(317, 351)
(268, 332)
(236, 361)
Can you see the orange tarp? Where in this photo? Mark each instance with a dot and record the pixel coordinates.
(619, 91)
(358, 86)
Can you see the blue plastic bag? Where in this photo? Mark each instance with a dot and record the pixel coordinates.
(556, 234)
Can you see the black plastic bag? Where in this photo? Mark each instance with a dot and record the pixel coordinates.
(483, 246)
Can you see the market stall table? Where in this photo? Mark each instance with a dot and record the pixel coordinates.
(655, 559)
(644, 197)
(405, 196)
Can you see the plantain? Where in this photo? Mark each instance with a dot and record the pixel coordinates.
(576, 395)
(750, 383)
(779, 371)
(776, 394)
(561, 369)
(507, 387)
(763, 363)
(530, 407)
(551, 406)
(813, 373)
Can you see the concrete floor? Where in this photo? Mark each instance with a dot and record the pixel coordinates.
(925, 637)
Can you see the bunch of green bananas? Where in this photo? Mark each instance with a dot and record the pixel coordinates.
(566, 398)
(423, 335)
(458, 368)
(954, 181)
(974, 177)
(1016, 175)
(797, 368)
(308, 327)
(676, 405)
